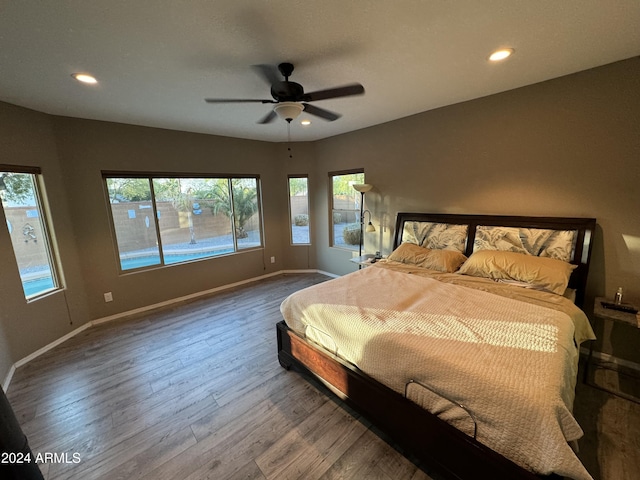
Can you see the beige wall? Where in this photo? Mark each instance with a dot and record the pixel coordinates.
(570, 146)
(566, 147)
(87, 147)
(297, 161)
(27, 139)
(72, 153)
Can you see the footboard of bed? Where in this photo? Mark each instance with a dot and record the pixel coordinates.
(433, 441)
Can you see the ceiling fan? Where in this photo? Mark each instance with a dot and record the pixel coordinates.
(290, 98)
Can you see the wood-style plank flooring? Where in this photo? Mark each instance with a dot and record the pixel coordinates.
(196, 392)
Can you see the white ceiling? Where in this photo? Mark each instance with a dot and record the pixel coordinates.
(156, 61)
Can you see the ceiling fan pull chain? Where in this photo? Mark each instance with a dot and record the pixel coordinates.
(289, 139)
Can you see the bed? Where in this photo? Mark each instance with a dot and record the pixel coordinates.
(463, 345)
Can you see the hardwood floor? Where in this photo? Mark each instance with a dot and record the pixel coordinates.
(196, 392)
(610, 448)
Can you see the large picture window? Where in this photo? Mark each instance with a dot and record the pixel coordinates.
(22, 204)
(299, 210)
(345, 209)
(163, 220)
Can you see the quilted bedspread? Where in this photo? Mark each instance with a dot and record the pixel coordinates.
(507, 354)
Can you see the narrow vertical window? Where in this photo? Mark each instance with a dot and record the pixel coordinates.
(299, 210)
(345, 209)
(28, 229)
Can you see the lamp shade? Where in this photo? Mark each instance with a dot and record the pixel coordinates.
(362, 187)
(288, 110)
(370, 228)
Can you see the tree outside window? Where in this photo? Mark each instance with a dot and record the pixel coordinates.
(28, 229)
(345, 209)
(165, 220)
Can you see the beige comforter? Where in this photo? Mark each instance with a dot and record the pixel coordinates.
(508, 354)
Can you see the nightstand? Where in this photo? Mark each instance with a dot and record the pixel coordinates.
(612, 315)
(363, 260)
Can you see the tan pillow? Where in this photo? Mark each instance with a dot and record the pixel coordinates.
(441, 260)
(544, 272)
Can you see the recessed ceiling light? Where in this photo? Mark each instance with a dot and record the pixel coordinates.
(501, 54)
(305, 122)
(84, 78)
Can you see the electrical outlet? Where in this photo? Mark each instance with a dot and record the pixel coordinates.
(273, 259)
(108, 297)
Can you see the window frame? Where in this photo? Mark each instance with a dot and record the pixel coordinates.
(306, 177)
(39, 192)
(150, 176)
(332, 210)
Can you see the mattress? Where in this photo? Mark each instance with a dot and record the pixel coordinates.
(508, 355)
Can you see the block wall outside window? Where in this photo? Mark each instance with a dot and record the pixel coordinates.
(20, 190)
(163, 220)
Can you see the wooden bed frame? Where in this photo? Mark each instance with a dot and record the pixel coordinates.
(433, 441)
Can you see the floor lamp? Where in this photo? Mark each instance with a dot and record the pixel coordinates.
(363, 188)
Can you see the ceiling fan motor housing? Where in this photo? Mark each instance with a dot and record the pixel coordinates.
(287, 91)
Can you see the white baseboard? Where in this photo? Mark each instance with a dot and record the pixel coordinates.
(311, 270)
(332, 275)
(136, 311)
(185, 298)
(55, 343)
(7, 379)
(605, 357)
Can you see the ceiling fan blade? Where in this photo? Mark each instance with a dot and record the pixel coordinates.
(346, 91)
(237, 100)
(268, 118)
(269, 73)
(321, 112)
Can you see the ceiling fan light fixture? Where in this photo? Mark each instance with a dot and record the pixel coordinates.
(288, 110)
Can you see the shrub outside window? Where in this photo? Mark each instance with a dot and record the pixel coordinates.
(345, 209)
(299, 210)
(28, 229)
(163, 220)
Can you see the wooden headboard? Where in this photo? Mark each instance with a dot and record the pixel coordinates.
(583, 226)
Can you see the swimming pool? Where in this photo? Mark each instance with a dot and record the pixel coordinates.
(33, 286)
(37, 285)
(169, 258)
